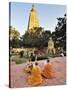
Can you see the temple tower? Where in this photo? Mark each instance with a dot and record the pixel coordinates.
(33, 20)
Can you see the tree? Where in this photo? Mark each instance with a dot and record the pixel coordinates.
(46, 34)
(37, 39)
(14, 34)
(59, 35)
(14, 37)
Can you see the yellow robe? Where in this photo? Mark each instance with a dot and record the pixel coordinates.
(48, 71)
(35, 78)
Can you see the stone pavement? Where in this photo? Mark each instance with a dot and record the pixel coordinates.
(19, 77)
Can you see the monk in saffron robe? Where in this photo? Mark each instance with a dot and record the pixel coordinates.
(29, 66)
(48, 71)
(35, 78)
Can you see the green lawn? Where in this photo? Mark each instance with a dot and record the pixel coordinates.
(18, 59)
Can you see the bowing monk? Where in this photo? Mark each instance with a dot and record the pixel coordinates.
(29, 66)
(35, 78)
(48, 71)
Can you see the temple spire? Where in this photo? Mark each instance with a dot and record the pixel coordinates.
(33, 20)
(32, 5)
(32, 9)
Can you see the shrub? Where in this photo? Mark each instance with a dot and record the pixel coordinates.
(12, 60)
(19, 61)
(42, 57)
(21, 53)
(32, 58)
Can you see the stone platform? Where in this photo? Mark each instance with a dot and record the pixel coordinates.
(19, 77)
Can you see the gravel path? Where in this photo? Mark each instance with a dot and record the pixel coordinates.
(19, 77)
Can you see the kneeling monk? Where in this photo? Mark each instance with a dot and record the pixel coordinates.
(48, 71)
(35, 78)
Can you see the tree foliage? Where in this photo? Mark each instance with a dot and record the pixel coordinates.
(38, 39)
(59, 36)
(14, 34)
(14, 37)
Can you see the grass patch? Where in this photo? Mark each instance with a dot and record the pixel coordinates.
(18, 60)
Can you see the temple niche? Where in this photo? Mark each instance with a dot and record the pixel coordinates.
(51, 48)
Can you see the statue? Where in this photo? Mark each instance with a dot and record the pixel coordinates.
(51, 49)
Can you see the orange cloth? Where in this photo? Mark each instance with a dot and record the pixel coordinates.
(35, 78)
(48, 71)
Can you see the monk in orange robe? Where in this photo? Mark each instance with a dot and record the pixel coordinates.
(28, 67)
(35, 78)
(48, 71)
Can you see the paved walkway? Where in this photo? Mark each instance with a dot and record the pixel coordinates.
(19, 77)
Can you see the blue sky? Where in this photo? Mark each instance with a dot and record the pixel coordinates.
(47, 14)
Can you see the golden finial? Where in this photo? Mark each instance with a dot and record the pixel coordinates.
(32, 7)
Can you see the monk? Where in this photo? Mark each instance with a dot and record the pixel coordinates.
(29, 66)
(35, 78)
(48, 71)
